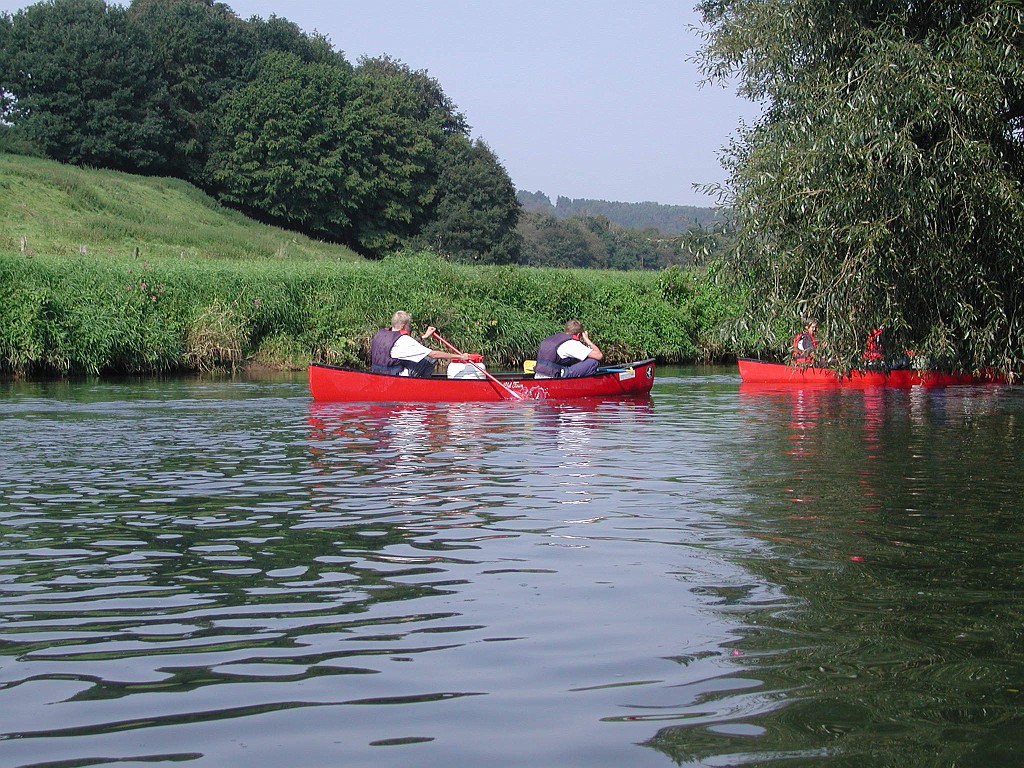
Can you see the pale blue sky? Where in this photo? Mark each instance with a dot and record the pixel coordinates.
(581, 98)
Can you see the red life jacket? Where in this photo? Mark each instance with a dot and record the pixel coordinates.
(874, 349)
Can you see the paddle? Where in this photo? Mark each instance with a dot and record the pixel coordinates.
(512, 393)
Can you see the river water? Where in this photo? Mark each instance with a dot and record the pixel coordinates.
(223, 573)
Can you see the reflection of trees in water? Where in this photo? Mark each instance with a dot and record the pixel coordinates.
(894, 523)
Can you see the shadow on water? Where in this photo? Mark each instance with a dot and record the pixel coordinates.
(893, 521)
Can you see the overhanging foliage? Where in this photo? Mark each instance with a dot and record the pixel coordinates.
(883, 185)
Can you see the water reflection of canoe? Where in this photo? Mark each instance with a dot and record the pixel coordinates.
(330, 383)
(762, 372)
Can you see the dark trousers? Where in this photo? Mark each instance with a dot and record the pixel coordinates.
(582, 368)
(424, 369)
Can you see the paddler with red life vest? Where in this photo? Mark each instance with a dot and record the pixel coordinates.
(874, 347)
(804, 344)
(567, 355)
(395, 352)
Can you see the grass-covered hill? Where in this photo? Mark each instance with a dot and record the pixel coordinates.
(103, 272)
(52, 208)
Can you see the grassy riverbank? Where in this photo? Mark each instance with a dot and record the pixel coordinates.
(211, 289)
(51, 208)
(86, 314)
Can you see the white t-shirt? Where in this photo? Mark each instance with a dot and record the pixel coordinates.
(572, 348)
(407, 348)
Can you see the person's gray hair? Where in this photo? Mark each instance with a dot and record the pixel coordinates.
(400, 320)
(574, 327)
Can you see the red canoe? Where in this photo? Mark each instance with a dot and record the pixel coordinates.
(331, 383)
(762, 372)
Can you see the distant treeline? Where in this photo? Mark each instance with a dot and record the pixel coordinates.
(667, 219)
(598, 234)
(593, 242)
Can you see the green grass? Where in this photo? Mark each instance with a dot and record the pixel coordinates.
(212, 290)
(55, 209)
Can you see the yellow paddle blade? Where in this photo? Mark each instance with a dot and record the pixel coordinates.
(528, 366)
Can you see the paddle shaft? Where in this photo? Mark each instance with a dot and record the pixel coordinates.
(515, 395)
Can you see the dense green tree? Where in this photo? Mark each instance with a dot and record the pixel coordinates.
(471, 209)
(634, 249)
(429, 101)
(476, 212)
(594, 242)
(85, 85)
(349, 155)
(286, 151)
(202, 51)
(11, 139)
(6, 97)
(884, 182)
(551, 242)
(279, 34)
(269, 119)
(402, 131)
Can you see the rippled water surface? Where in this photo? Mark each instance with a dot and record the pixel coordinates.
(223, 573)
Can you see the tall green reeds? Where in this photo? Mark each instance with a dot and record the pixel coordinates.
(86, 314)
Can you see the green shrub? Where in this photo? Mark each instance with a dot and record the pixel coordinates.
(90, 314)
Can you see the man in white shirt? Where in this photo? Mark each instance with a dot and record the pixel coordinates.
(567, 355)
(395, 352)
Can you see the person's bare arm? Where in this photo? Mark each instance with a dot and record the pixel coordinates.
(595, 351)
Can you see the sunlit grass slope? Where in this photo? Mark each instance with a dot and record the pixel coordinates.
(55, 209)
